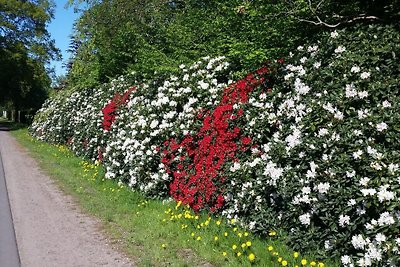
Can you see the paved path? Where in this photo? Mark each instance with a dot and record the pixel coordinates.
(8, 245)
(50, 229)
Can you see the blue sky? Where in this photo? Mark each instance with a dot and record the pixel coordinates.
(60, 29)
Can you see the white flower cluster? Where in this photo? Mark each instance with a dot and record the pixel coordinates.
(156, 114)
(324, 158)
(156, 111)
(75, 119)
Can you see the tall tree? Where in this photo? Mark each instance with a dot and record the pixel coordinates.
(25, 49)
(117, 36)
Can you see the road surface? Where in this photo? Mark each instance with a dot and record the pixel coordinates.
(50, 229)
(8, 245)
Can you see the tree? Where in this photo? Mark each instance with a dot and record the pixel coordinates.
(119, 36)
(25, 49)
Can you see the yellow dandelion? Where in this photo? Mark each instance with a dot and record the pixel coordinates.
(225, 234)
(246, 234)
(178, 205)
(192, 234)
(234, 247)
(233, 221)
(239, 234)
(164, 246)
(270, 248)
(248, 243)
(313, 263)
(218, 223)
(215, 238)
(296, 255)
(239, 254)
(198, 238)
(224, 254)
(235, 229)
(272, 233)
(280, 259)
(284, 263)
(321, 264)
(303, 262)
(251, 257)
(243, 245)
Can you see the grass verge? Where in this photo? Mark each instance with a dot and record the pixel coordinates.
(154, 232)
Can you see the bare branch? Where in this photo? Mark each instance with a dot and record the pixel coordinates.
(320, 23)
(319, 4)
(348, 21)
(310, 6)
(362, 18)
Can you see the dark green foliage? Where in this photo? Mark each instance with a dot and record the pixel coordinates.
(117, 36)
(114, 37)
(25, 48)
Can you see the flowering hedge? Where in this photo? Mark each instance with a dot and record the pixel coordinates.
(196, 163)
(327, 165)
(310, 145)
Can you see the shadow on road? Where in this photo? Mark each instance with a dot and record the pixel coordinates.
(11, 126)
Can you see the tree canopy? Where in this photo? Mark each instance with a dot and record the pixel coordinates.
(113, 37)
(116, 36)
(25, 49)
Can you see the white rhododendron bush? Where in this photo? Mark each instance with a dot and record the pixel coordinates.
(310, 145)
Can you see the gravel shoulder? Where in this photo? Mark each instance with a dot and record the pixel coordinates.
(50, 229)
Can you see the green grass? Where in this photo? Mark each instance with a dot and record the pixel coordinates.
(153, 232)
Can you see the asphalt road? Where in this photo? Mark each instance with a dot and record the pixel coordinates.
(50, 229)
(8, 245)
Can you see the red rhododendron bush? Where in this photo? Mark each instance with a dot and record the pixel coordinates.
(196, 163)
(310, 145)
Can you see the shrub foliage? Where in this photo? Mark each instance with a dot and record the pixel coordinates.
(309, 145)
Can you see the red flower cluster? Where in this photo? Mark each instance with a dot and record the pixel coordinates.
(110, 110)
(196, 162)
